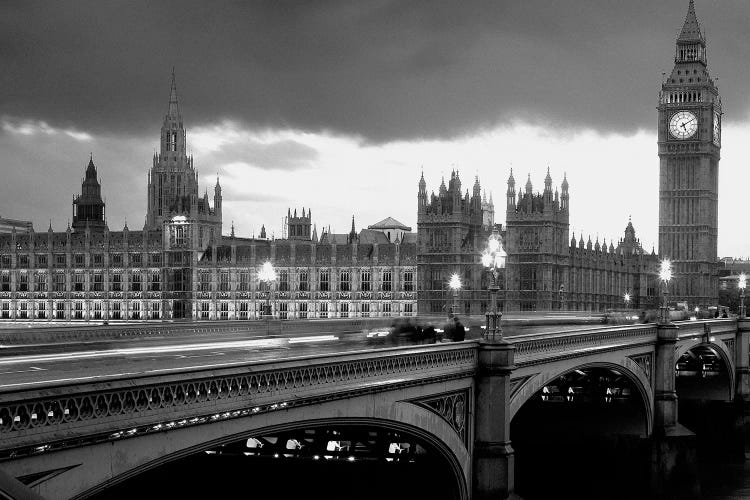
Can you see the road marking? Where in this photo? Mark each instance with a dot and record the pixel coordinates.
(31, 369)
(317, 338)
(134, 351)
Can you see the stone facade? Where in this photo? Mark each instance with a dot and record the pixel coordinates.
(451, 234)
(180, 266)
(545, 270)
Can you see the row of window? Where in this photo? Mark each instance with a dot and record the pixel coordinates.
(325, 283)
(79, 260)
(78, 282)
(152, 310)
(40, 281)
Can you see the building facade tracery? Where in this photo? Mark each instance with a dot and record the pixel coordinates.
(180, 266)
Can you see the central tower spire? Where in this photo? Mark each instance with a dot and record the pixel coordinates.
(174, 108)
(173, 181)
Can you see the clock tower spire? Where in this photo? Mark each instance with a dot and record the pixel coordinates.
(689, 131)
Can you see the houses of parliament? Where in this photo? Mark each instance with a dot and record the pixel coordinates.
(180, 265)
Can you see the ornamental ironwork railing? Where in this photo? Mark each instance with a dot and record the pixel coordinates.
(543, 347)
(35, 421)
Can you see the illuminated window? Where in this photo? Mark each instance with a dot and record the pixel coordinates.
(324, 283)
(155, 309)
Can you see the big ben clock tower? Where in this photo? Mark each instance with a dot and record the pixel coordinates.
(689, 148)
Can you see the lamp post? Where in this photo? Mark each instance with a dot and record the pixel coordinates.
(741, 284)
(665, 274)
(493, 258)
(455, 285)
(626, 298)
(267, 275)
(561, 295)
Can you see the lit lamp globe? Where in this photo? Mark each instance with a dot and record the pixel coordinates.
(493, 258)
(455, 285)
(665, 274)
(267, 275)
(455, 282)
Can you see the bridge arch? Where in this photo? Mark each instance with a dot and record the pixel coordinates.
(626, 367)
(144, 454)
(587, 416)
(721, 350)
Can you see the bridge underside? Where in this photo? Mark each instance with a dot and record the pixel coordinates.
(412, 413)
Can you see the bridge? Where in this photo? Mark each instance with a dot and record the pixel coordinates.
(478, 408)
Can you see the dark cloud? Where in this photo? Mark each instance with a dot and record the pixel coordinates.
(282, 155)
(381, 70)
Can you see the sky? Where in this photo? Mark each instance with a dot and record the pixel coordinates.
(338, 106)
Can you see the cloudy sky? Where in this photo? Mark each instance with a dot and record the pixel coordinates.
(337, 105)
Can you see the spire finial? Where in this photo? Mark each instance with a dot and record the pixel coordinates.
(691, 30)
(173, 105)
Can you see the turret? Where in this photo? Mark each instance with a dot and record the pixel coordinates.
(88, 207)
(353, 233)
(548, 189)
(217, 198)
(422, 195)
(564, 196)
(511, 193)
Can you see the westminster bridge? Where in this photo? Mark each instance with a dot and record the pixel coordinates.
(472, 405)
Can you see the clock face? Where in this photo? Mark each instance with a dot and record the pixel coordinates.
(683, 125)
(717, 129)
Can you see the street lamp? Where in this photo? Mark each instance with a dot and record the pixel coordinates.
(741, 284)
(626, 298)
(493, 258)
(665, 274)
(455, 285)
(267, 275)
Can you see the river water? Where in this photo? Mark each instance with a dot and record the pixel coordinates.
(726, 481)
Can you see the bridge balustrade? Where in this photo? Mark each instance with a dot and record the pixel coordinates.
(35, 421)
